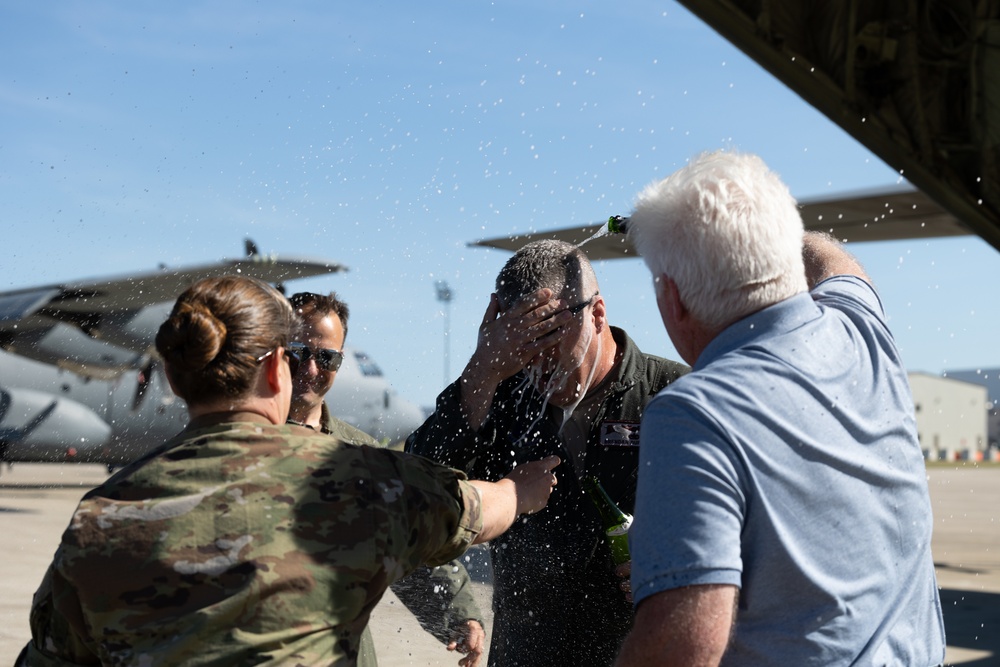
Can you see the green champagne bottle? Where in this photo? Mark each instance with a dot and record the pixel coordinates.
(617, 224)
(616, 523)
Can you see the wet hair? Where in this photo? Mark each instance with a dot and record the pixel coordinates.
(309, 305)
(217, 331)
(560, 266)
(726, 230)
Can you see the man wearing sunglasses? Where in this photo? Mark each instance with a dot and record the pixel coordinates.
(320, 351)
(439, 597)
(550, 374)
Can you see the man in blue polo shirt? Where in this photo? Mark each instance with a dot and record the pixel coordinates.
(782, 513)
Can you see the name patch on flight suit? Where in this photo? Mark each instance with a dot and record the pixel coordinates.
(620, 434)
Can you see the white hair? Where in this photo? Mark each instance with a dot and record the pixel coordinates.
(726, 230)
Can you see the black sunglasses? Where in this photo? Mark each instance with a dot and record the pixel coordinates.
(327, 359)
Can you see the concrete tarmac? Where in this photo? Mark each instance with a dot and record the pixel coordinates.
(36, 501)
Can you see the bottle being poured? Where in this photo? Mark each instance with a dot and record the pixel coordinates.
(616, 522)
(618, 224)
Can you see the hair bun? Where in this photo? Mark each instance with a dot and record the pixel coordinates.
(192, 337)
(215, 334)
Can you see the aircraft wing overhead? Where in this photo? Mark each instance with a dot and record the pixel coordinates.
(605, 246)
(918, 83)
(101, 327)
(871, 216)
(71, 301)
(880, 216)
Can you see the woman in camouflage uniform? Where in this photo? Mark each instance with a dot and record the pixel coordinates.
(244, 540)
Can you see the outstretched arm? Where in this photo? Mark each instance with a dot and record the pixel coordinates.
(825, 257)
(525, 490)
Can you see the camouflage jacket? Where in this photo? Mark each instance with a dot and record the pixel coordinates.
(439, 597)
(240, 543)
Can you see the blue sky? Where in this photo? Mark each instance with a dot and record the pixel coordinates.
(387, 136)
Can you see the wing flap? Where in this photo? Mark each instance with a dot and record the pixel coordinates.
(870, 216)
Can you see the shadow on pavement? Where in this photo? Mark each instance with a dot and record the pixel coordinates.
(972, 621)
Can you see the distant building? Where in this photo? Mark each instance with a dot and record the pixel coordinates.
(951, 416)
(989, 378)
(993, 427)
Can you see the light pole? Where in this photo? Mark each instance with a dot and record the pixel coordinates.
(445, 295)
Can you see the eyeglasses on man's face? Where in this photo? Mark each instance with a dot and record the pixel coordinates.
(327, 358)
(578, 308)
(575, 310)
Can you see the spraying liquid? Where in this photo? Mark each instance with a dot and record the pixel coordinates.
(617, 224)
(582, 389)
(536, 379)
(601, 231)
(532, 376)
(535, 376)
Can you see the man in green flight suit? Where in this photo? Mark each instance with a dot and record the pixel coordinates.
(551, 375)
(439, 597)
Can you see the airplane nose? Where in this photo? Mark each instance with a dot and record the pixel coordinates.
(39, 426)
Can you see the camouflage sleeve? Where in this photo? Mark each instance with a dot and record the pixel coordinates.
(446, 436)
(57, 626)
(436, 512)
(471, 523)
(440, 598)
